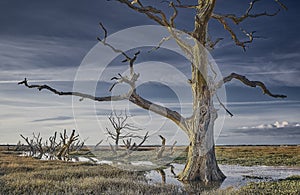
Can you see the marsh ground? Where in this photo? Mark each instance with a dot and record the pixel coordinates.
(25, 175)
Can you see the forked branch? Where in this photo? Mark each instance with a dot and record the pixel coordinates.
(233, 35)
(211, 44)
(221, 18)
(153, 13)
(159, 17)
(247, 14)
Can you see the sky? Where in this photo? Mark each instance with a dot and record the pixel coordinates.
(54, 42)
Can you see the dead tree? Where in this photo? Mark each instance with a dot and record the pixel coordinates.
(39, 145)
(122, 129)
(30, 145)
(35, 146)
(53, 148)
(66, 143)
(133, 147)
(201, 160)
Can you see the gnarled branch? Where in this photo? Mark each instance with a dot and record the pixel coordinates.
(153, 13)
(164, 39)
(249, 83)
(160, 17)
(133, 97)
(221, 18)
(103, 41)
(78, 94)
(234, 37)
(247, 14)
(211, 44)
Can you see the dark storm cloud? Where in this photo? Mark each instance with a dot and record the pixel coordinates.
(48, 39)
(68, 18)
(49, 34)
(38, 38)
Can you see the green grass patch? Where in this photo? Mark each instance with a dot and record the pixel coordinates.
(259, 155)
(278, 187)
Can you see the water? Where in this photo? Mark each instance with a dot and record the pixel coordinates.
(237, 175)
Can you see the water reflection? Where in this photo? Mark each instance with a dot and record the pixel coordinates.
(237, 176)
(168, 176)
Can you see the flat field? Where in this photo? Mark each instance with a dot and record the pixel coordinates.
(26, 175)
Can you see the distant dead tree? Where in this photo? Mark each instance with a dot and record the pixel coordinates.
(66, 143)
(53, 148)
(134, 147)
(121, 129)
(35, 145)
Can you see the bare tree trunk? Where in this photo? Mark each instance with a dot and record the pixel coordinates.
(117, 140)
(201, 161)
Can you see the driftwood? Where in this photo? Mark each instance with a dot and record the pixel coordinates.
(162, 148)
(172, 147)
(160, 151)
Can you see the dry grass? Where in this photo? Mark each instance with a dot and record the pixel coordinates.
(259, 155)
(25, 175)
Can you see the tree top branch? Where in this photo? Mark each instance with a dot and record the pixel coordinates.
(238, 19)
(221, 18)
